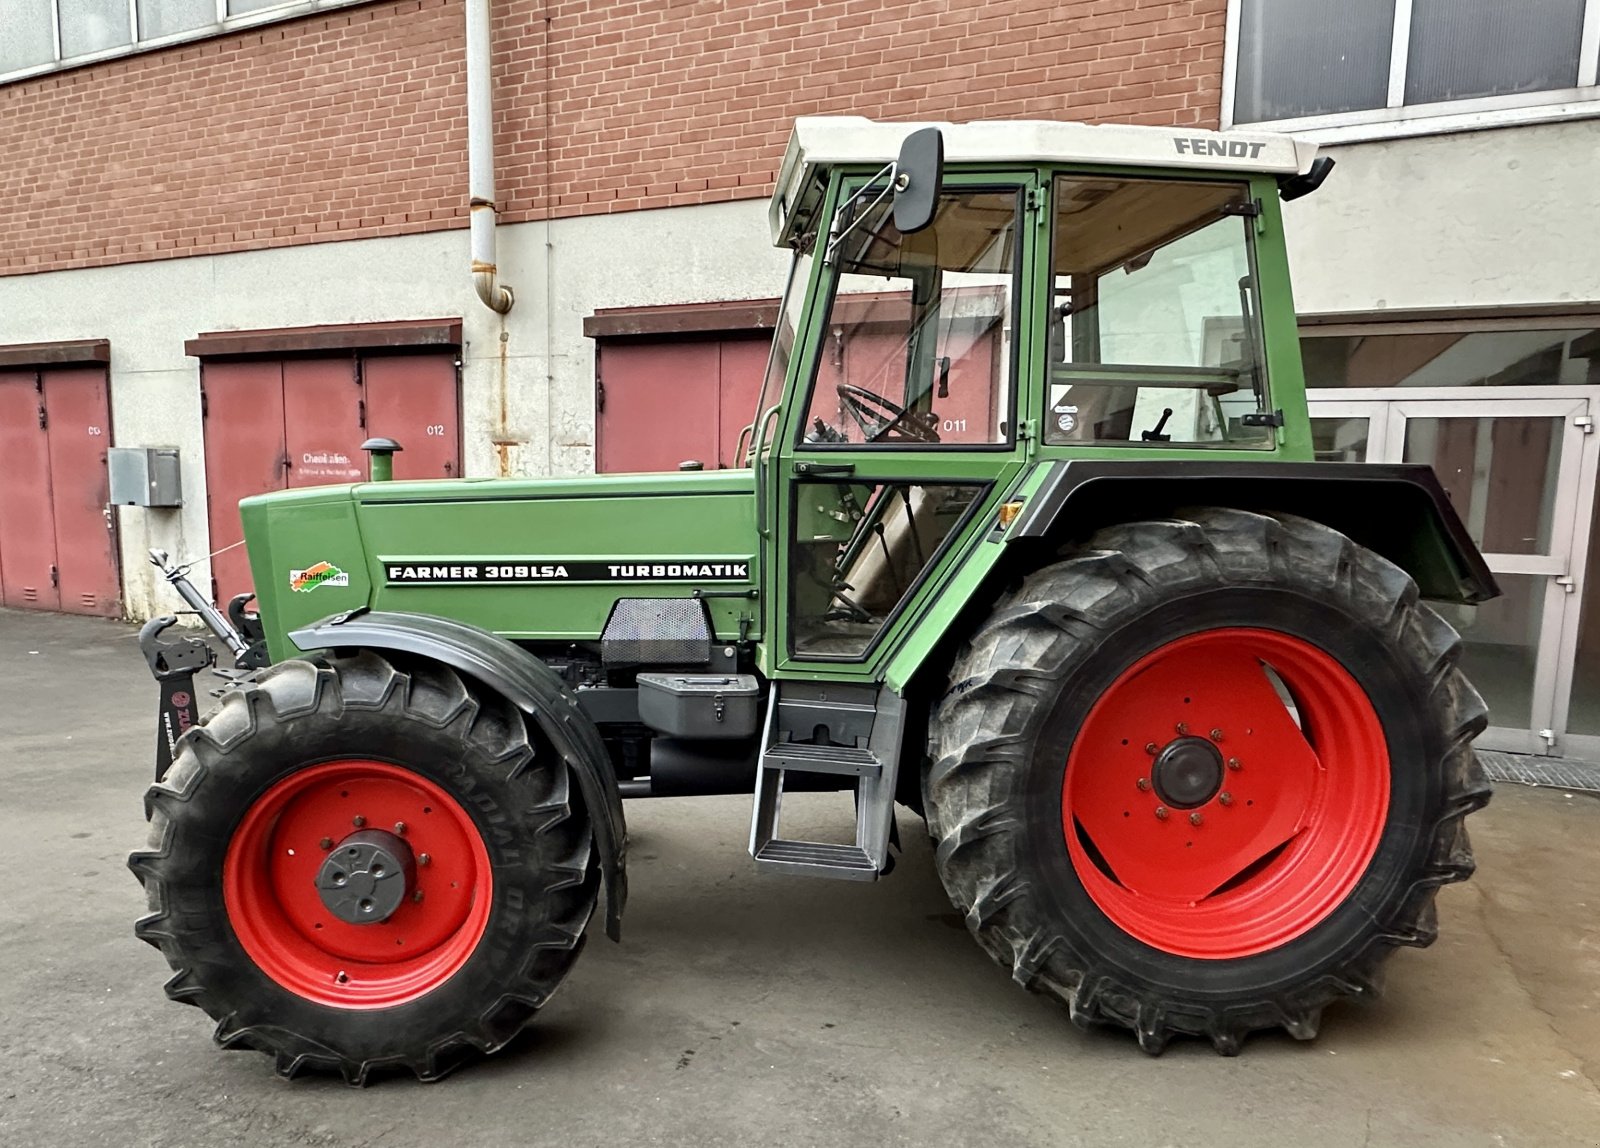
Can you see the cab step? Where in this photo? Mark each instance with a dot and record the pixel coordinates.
(817, 859)
(837, 759)
(844, 731)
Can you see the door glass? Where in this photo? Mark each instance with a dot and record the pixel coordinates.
(1340, 439)
(916, 341)
(1499, 472)
(1154, 332)
(1584, 716)
(1500, 646)
(858, 551)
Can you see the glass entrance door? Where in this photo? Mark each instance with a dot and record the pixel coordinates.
(1521, 475)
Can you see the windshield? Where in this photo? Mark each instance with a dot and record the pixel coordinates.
(916, 348)
(1154, 332)
(783, 339)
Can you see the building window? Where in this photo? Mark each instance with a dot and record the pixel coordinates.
(45, 35)
(1371, 68)
(1452, 357)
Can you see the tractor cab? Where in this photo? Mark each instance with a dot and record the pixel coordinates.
(969, 299)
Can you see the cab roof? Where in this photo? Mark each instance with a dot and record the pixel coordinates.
(819, 143)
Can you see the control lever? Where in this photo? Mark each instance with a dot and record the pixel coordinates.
(1156, 435)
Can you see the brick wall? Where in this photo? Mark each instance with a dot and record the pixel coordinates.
(353, 125)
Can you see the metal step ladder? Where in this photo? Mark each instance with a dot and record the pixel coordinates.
(842, 730)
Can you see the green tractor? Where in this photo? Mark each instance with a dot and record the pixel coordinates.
(1032, 541)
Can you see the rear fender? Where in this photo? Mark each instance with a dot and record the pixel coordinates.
(1398, 511)
(528, 684)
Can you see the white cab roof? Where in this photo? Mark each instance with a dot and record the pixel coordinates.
(819, 142)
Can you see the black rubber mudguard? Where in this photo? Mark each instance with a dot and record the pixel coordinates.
(1397, 510)
(521, 679)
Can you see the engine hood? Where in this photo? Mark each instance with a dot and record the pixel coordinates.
(535, 559)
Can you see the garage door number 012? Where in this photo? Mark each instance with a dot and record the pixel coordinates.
(436, 430)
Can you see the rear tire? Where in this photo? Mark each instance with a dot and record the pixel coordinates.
(1095, 842)
(260, 795)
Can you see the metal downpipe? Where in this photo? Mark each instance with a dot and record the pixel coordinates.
(480, 161)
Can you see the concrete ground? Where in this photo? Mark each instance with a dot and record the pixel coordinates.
(747, 1010)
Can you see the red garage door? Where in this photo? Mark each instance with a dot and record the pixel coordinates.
(274, 424)
(57, 551)
(661, 402)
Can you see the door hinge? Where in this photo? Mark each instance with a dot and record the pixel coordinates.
(55, 577)
(1028, 432)
(599, 396)
(1035, 199)
(361, 413)
(44, 420)
(1566, 582)
(1584, 423)
(1262, 419)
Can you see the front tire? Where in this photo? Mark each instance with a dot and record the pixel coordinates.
(1204, 775)
(310, 761)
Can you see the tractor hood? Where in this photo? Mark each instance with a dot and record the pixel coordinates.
(543, 559)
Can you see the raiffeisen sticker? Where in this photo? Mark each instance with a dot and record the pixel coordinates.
(317, 574)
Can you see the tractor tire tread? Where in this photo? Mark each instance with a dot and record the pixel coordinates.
(1010, 671)
(435, 697)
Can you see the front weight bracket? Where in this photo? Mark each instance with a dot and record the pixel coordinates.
(173, 665)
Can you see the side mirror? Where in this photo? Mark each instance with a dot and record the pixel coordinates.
(917, 175)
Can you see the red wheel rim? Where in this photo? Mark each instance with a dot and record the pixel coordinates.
(269, 886)
(1286, 834)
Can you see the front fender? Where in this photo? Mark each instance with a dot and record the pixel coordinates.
(526, 683)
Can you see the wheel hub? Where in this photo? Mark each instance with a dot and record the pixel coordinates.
(1188, 772)
(366, 877)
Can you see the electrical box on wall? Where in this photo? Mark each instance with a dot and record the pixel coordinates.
(145, 476)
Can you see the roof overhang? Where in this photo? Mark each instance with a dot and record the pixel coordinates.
(822, 142)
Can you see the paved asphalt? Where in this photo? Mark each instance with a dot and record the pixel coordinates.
(742, 1009)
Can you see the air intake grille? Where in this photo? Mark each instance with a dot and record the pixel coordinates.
(657, 632)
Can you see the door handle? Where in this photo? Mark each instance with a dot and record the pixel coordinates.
(820, 469)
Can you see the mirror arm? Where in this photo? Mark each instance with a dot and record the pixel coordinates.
(835, 235)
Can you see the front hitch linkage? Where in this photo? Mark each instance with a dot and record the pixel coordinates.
(175, 663)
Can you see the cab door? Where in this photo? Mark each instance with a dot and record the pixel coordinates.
(903, 424)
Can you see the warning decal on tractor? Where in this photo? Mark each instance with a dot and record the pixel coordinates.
(317, 574)
(500, 571)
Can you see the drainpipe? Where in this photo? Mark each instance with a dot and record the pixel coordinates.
(480, 161)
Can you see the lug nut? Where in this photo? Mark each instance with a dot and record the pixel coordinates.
(424, 859)
(1216, 735)
(1144, 784)
(1233, 763)
(400, 828)
(326, 843)
(1195, 818)
(358, 821)
(1152, 748)
(416, 898)
(1183, 727)
(1225, 797)
(343, 977)
(1161, 813)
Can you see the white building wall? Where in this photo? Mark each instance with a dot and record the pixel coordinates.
(536, 400)
(1475, 219)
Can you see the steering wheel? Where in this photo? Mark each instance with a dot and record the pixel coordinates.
(877, 416)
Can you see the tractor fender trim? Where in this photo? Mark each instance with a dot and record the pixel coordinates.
(524, 681)
(1398, 510)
